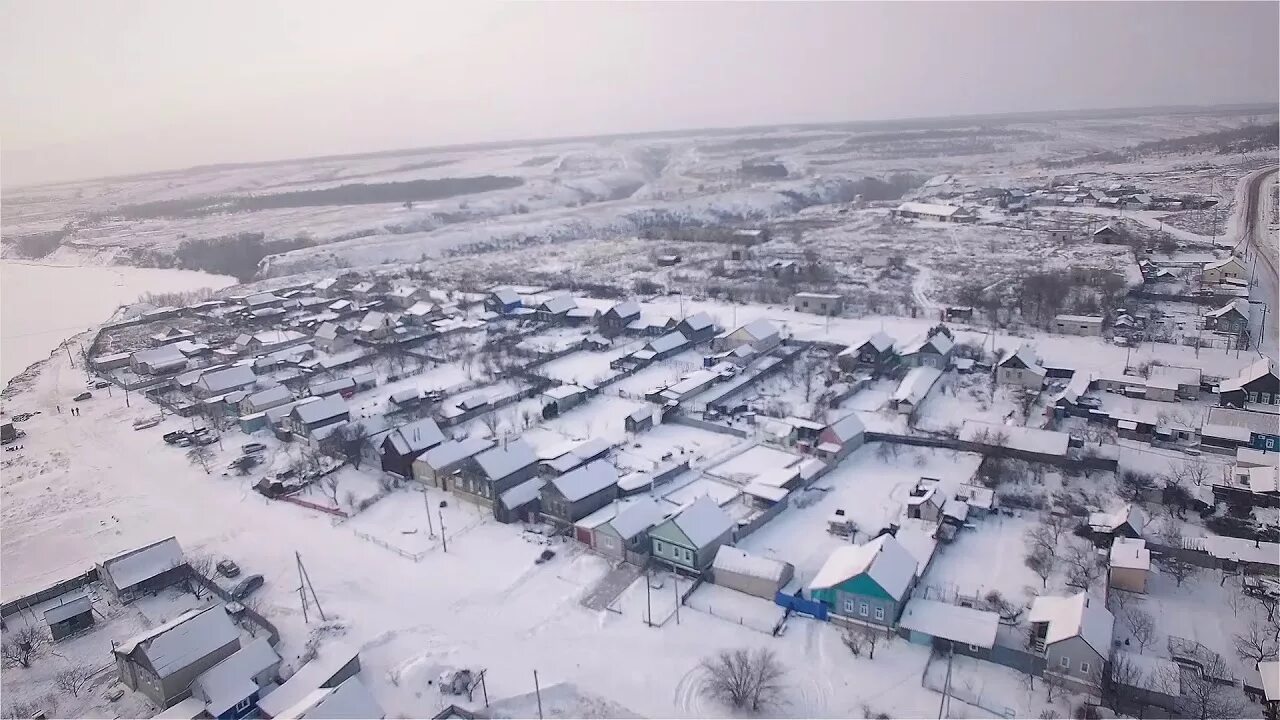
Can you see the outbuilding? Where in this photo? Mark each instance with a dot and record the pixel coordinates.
(739, 570)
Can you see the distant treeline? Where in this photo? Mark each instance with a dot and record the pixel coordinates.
(351, 194)
(1236, 140)
(234, 255)
(861, 141)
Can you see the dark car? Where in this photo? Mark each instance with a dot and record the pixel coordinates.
(228, 568)
(83, 396)
(174, 436)
(246, 586)
(101, 384)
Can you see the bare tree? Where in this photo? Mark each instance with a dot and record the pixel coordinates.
(200, 455)
(1042, 564)
(202, 565)
(864, 637)
(1256, 643)
(490, 421)
(1040, 540)
(853, 640)
(1176, 567)
(1054, 686)
(23, 645)
(1141, 626)
(745, 679)
(1083, 565)
(329, 485)
(19, 711)
(1058, 525)
(1118, 601)
(72, 679)
(1203, 697)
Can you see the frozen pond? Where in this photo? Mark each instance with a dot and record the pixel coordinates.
(41, 305)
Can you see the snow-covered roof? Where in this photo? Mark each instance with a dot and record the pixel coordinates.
(134, 566)
(1257, 369)
(1130, 553)
(916, 385)
(1129, 513)
(1024, 356)
(559, 304)
(736, 560)
(561, 392)
(920, 208)
(326, 407)
(415, 436)
(1080, 319)
(333, 656)
(884, 560)
(626, 309)
(499, 462)
(229, 379)
(452, 451)
(1072, 616)
(668, 342)
(175, 645)
(957, 509)
(847, 428)
(506, 296)
(1269, 670)
(523, 493)
(325, 284)
(772, 493)
(586, 480)
(964, 625)
(421, 308)
(188, 709)
(68, 609)
(1258, 422)
(231, 680)
(639, 516)
(1237, 549)
(1240, 307)
(350, 699)
(1044, 442)
(699, 321)
(276, 394)
(403, 291)
(276, 337)
(879, 340)
(329, 331)
(917, 536)
(703, 521)
(759, 329)
(1223, 263)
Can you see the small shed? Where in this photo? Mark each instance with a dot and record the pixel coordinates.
(739, 570)
(69, 618)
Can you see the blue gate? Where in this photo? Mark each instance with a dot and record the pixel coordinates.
(796, 603)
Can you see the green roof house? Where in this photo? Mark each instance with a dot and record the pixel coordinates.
(869, 583)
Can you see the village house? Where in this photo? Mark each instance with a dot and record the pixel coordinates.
(422, 312)
(840, 438)
(1258, 430)
(739, 570)
(264, 400)
(1074, 634)
(1185, 381)
(267, 341)
(868, 583)
(1227, 268)
(325, 288)
(652, 325)
(487, 475)
(377, 325)
(503, 300)
(914, 388)
(1264, 686)
(336, 664)
(69, 618)
(818, 303)
(402, 296)
(580, 455)
(1256, 384)
(332, 338)
(759, 334)
(639, 420)
(158, 361)
(578, 493)
(688, 541)
(875, 353)
(925, 503)
(309, 417)
(162, 662)
(406, 443)
(171, 335)
(1086, 325)
(1128, 521)
(349, 699)
(698, 328)
(950, 628)
(561, 398)
(661, 348)
(616, 319)
(930, 350)
(1107, 235)
(1020, 367)
(145, 570)
(1130, 565)
(936, 213)
(555, 309)
(436, 466)
(1232, 318)
(625, 534)
(232, 688)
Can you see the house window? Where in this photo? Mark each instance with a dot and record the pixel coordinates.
(973, 648)
(658, 547)
(1084, 667)
(243, 705)
(1266, 398)
(1065, 662)
(1253, 397)
(879, 613)
(848, 606)
(862, 609)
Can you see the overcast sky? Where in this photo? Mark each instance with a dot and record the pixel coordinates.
(93, 87)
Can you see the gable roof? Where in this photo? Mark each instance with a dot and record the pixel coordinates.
(759, 329)
(884, 560)
(586, 480)
(698, 321)
(639, 516)
(559, 304)
(525, 492)
(670, 341)
(68, 609)
(703, 521)
(951, 622)
(1223, 263)
(625, 309)
(1255, 370)
(847, 427)
(1075, 616)
(879, 340)
(499, 462)
(330, 331)
(415, 436)
(134, 566)
(326, 407)
(736, 560)
(929, 209)
(231, 680)
(228, 379)
(350, 699)
(274, 394)
(452, 451)
(1021, 356)
(1240, 307)
(175, 645)
(507, 296)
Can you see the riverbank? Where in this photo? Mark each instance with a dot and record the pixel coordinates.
(42, 303)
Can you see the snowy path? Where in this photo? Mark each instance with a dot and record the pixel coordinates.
(920, 287)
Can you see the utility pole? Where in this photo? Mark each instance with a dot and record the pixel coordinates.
(304, 584)
(431, 531)
(648, 601)
(538, 691)
(675, 589)
(443, 540)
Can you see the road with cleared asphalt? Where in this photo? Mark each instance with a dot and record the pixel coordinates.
(1258, 252)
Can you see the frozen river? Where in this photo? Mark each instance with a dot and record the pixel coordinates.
(41, 305)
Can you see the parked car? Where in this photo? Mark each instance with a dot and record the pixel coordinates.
(204, 439)
(228, 568)
(251, 448)
(174, 436)
(83, 396)
(145, 423)
(246, 586)
(101, 384)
